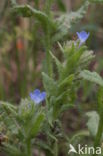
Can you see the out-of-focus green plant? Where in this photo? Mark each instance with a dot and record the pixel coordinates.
(96, 1)
(33, 125)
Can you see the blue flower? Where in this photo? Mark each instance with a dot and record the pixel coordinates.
(37, 96)
(83, 36)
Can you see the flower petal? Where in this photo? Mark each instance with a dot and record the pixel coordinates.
(43, 96)
(36, 92)
(83, 36)
(37, 97)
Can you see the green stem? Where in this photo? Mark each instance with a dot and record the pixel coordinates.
(48, 6)
(48, 56)
(48, 43)
(29, 152)
(99, 134)
(56, 149)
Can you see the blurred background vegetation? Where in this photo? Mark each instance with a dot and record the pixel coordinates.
(22, 51)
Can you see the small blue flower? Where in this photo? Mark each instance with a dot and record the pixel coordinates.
(37, 96)
(83, 36)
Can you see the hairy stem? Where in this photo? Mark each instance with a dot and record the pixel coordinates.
(99, 134)
(48, 43)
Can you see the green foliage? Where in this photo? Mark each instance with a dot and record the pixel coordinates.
(86, 58)
(24, 125)
(13, 2)
(96, 1)
(93, 122)
(66, 21)
(54, 28)
(100, 101)
(58, 64)
(11, 150)
(61, 5)
(28, 11)
(28, 118)
(79, 135)
(60, 25)
(29, 124)
(49, 84)
(61, 91)
(92, 76)
(36, 125)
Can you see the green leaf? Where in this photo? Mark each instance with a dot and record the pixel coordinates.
(66, 21)
(58, 63)
(12, 150)
(62, 99)
(61, 48)
(79, 134)
(44, 146)
(93, 122)
(92, 76)
(9, 107)
(100, 101)
(69, 49)
(49, 84)
(86, 58)
(67, 81)
(72, 63)
(26, 109)
(66, 107)
(28, 11)
(62, 96)
(36, 125)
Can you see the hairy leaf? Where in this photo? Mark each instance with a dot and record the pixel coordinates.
(67, 20)
(93, 122)
(86, 57)
(49, 84)
(28, 11)
(58, 64)
(36, 125)
(92, 76)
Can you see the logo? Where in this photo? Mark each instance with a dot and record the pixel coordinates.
(72, 149)
(84, 150)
